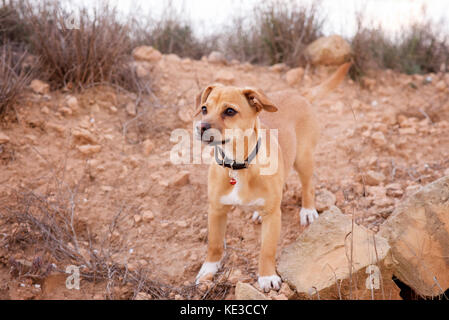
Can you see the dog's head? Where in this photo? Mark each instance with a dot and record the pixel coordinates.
(224, 109)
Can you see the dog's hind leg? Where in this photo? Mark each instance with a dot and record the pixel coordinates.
(216, 235)
(304, 167)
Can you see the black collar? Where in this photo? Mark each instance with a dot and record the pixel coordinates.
(229, 163)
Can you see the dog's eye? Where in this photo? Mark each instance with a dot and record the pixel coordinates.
(204, 110)
(230, 112)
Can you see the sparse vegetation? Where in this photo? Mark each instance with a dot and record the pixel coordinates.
(172, 33)
(278, 32)
(13, 27)
(93, 52)
(15, 74)
(419, 48)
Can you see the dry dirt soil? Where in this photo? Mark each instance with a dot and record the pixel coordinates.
(392, 124)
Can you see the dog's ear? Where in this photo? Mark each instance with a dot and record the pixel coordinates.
(256, 98)
(201, 98)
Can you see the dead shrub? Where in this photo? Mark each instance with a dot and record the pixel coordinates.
(15, 75)
(278, 32)
(77, 48)
(48, 225)
(172, 33)
(418, 48)
(13, 27)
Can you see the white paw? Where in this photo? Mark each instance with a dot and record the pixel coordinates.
(256, 217)
(307, 216)
(269, 282)
(207, 268)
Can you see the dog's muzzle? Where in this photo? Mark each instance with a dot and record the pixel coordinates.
(207, 134)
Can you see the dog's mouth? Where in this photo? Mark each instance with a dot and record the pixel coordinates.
(212, 138)
(211, 141)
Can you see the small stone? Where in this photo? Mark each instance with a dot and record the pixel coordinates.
(40, 87)
(216, 57)
(373, 178)
(146, 53)
(182, 223)
(278, 67)
(406, 131)
(394, 190)
(181, 179)
(286, 290)
(57, 127)
(84, 135)
(172, 58)
(280, 297)
(148, 146)
(143, 69)
(133, 161)
(245, 291)
(379, 138)
(235, 276)
(143, 296)
(368, 83)
(294, 76)
(45, 110)
(66, 111)
(89, 149)
(441, 85)
(137, 218)
(185, 115)
(225, 77)
(72, 103)
(147, 215)
(324, 200)
(4, 138)
(131, 109)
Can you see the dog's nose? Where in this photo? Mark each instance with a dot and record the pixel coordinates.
(204, 126)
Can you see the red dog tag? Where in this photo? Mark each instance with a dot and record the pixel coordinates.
(232, 181)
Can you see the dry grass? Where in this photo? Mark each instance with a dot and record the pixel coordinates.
(277, 32)
(171, 33)
(15, 74)
(420, 48)
(48, 225)
(91, 50)
(13, 28)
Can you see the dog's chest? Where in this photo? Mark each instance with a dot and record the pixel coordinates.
(238, 196)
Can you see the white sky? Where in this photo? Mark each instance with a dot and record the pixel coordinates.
(210, 15)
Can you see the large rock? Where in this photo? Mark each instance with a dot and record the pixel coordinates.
(418, 233)
(245, 291)
(320, 261)
(332, 50)
(146, 53)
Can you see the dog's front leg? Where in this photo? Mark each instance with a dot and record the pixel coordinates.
(217, 228)
(271, 228)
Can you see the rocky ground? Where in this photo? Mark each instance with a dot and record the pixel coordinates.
(106, 151)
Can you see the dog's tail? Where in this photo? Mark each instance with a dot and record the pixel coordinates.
(328, 85)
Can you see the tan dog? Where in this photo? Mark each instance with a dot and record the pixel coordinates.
(225, 108)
